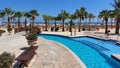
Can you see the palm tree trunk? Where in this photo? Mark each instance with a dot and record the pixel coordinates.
(85, 23)
(100, 23)
(71, 27)
(111, 23)
(46, 26)
(9, 22)
(79, 27)
(74, 30)
(106, 29)
(89, 23)
(71, 32)
(3, 20)
(55, 26)
(25, 22)
(19, 24)
(117, 26)
(63, 25)
(33, 22)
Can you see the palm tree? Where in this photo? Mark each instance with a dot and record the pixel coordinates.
(71, 17)
(86, 17)
(19, 15)
(81, 15)
(55, 19)
(112, 17)
(45, 17)
(99, 19)
(26, 15)
(34, 13)
(116, 5)
(2, 14)
(90, 16)
(63, 15)
(8, 12)
(48, 20)
(105, 15)
(99, 16)
(93, 18)
(13, 19)
(59, 17)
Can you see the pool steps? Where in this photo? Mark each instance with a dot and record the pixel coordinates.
(98, 47)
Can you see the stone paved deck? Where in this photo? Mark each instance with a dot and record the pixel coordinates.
(54, 55)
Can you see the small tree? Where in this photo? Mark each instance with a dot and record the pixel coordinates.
(32, 37)
(6, 60)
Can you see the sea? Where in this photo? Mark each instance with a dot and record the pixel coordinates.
(66, 23)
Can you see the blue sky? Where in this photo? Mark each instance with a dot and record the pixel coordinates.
(53, 7)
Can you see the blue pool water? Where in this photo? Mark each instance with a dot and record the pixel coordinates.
(90, 57)
(106, 47)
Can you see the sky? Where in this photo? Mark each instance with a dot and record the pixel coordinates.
(54, 7)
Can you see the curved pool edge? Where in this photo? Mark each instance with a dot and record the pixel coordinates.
(55, 35)
(78, 59)
(74, 55)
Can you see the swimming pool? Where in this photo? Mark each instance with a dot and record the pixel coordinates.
(91, 57)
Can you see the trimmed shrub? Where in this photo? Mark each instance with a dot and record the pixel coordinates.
(32, 37)
(6, 60)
